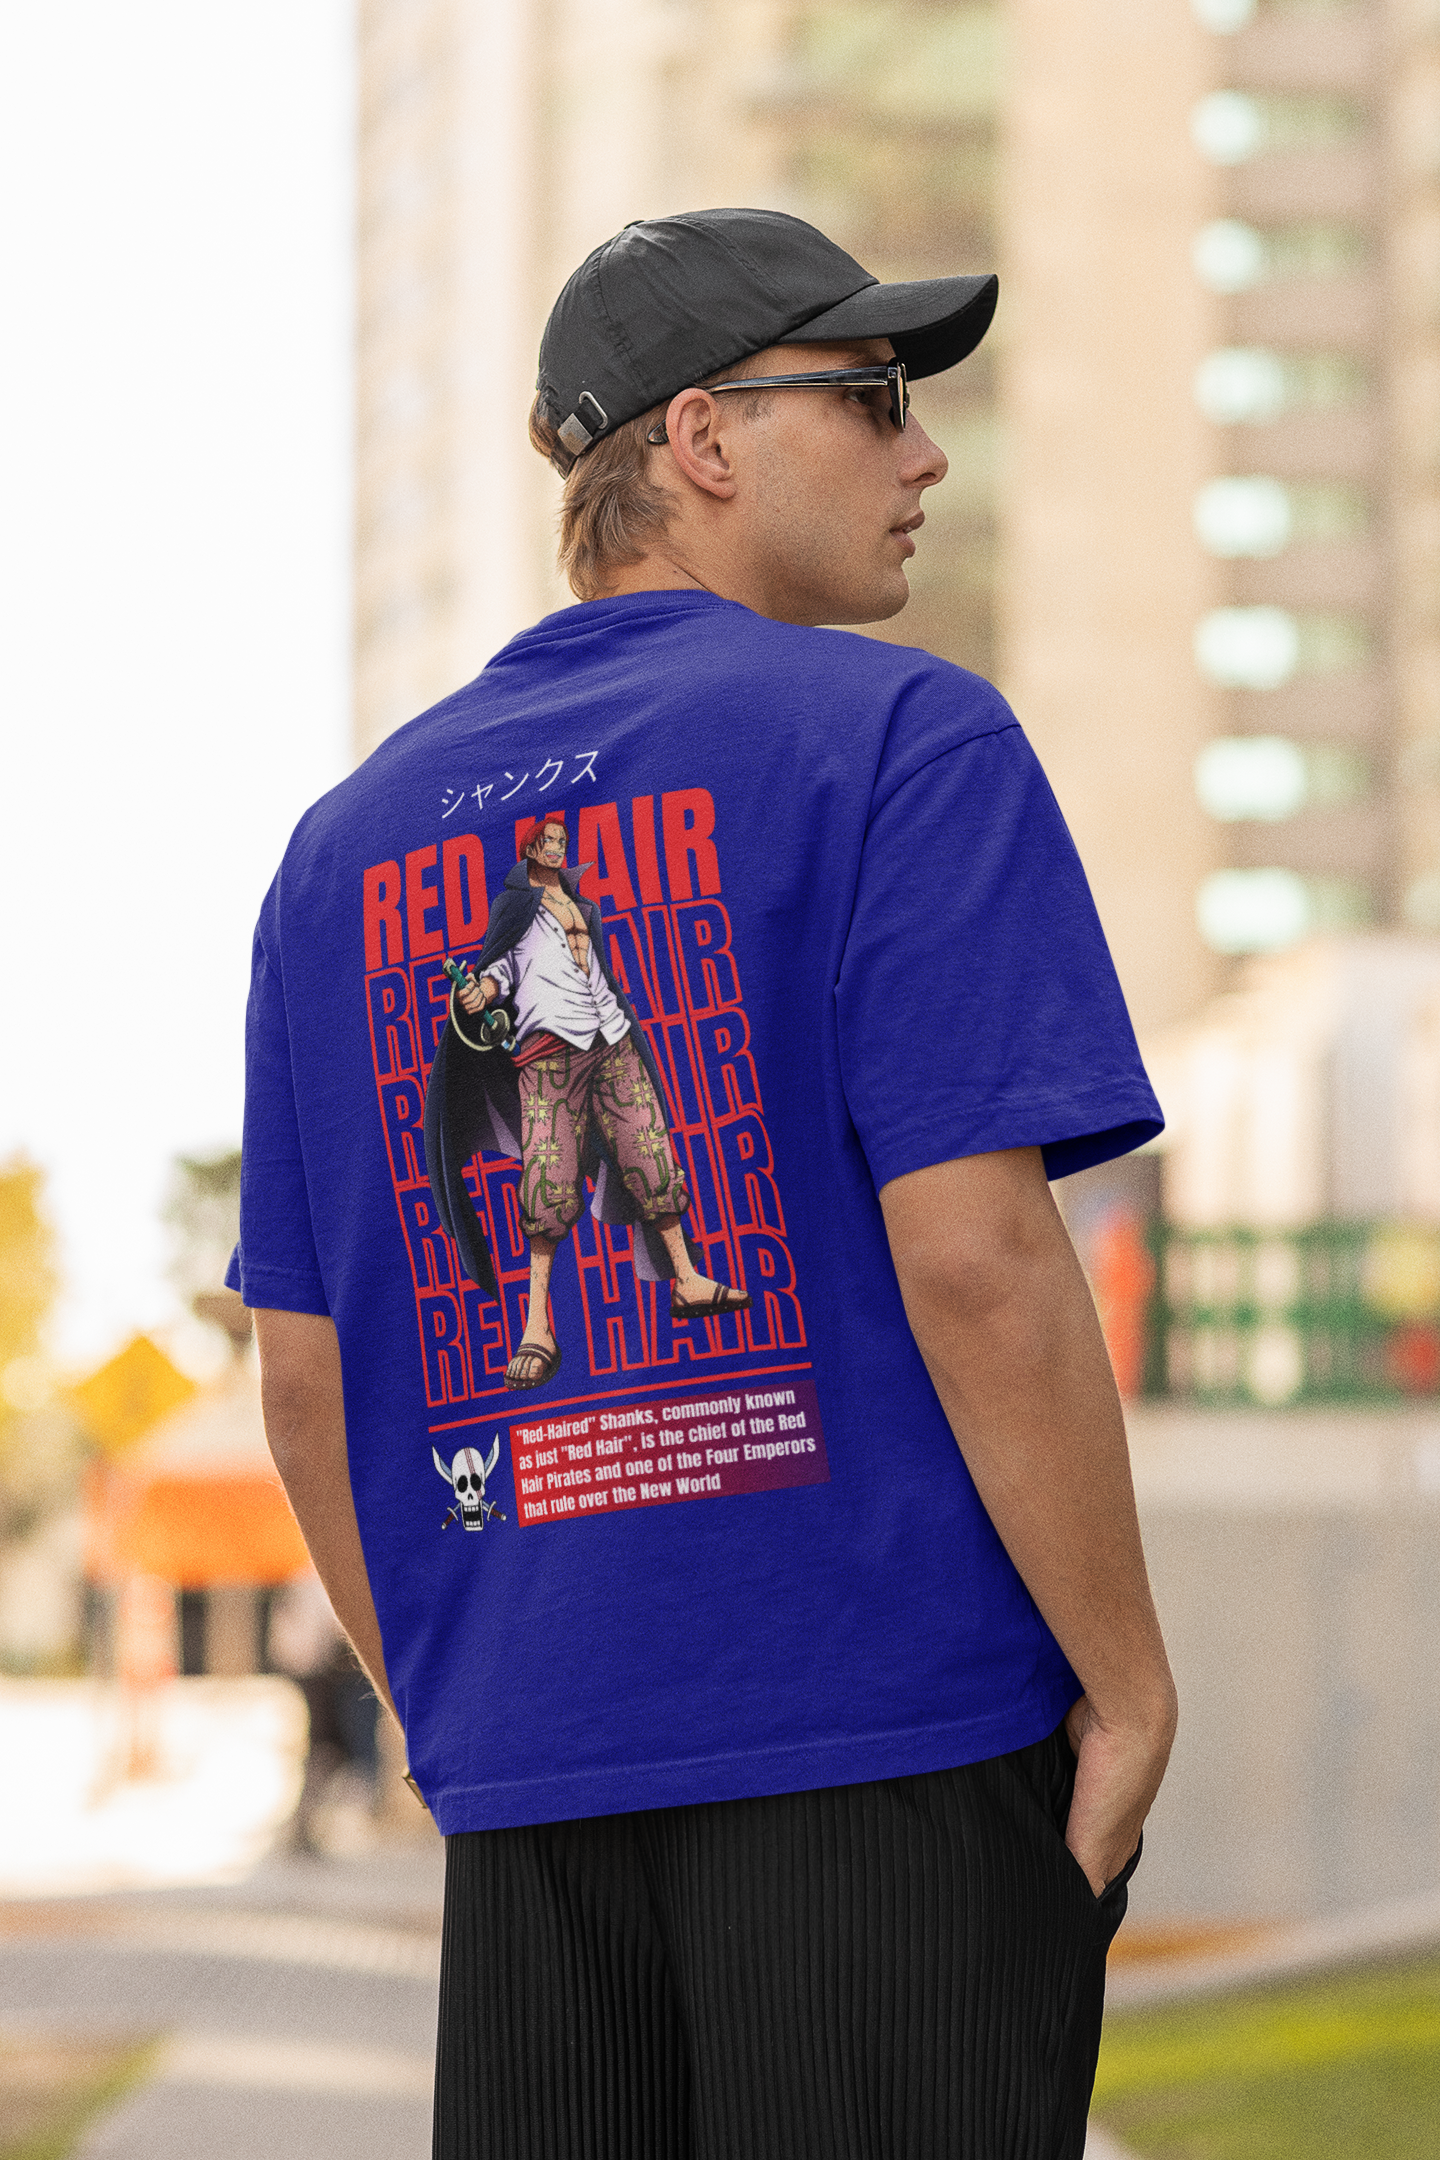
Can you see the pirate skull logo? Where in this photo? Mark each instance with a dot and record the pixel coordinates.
(466, 1473)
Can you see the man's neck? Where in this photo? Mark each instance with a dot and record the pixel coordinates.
(711, 571)
(653, 573)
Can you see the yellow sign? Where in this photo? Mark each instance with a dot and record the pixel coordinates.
(121, 1402)
(1402, 1272)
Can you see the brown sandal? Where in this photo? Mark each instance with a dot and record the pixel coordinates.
(722, 1299)
(547, 1360)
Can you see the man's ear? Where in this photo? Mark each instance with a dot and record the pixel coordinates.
(693, 424)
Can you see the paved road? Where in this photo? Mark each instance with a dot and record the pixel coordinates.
(296, 2013)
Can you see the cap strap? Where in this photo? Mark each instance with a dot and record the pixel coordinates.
(574, 433)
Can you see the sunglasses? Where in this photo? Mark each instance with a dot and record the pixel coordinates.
(889, 376)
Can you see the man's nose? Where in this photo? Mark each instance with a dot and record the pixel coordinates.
(922, 462)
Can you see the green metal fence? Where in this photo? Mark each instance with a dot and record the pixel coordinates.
(1339, 1312)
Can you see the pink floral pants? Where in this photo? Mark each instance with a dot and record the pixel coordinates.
(559, 1095)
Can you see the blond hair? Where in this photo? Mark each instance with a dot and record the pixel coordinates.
(613, 509)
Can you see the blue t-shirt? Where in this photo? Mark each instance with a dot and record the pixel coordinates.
(710, 1557)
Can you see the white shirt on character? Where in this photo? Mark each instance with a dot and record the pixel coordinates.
(550, 991)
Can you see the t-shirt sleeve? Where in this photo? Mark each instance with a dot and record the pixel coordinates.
(978, 1006)
(275, 1265)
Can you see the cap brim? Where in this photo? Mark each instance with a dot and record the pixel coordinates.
(933, 323)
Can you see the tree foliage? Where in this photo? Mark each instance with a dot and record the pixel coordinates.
(29, 1281)
(37, 1436)
(203, 1212)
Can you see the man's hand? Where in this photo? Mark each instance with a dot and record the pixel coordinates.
(1117, 1776)
(1006, 1325)
(477, 995)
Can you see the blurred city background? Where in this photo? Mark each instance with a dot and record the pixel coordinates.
(277, 277)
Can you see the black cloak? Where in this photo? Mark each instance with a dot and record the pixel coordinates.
(472, 1101)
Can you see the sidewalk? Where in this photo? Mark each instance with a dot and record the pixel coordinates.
(295, 2012)
(1409, 1927)
(290, 2002)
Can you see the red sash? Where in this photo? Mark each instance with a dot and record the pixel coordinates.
(541, 1044)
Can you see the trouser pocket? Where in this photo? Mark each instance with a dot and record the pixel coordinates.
(1114, 1899)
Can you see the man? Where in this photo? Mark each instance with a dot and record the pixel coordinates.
(587, 1097)
(792, 1759)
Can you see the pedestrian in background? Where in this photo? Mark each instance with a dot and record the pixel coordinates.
(305, 1641)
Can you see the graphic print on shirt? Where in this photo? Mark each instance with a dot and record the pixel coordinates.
(466, 1476)
(581, 1164)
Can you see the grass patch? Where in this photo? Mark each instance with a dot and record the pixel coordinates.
(1347, 2064)
(51, 2089)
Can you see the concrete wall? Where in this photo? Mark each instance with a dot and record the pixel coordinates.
(1296, 1564)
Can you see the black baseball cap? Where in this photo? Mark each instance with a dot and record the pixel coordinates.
(671, 300)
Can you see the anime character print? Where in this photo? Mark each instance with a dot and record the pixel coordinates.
(543, 1058)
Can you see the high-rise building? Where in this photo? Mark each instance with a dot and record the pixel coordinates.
(1224, 399)
(1322, 337)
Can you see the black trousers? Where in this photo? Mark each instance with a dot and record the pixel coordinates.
(908, 1970)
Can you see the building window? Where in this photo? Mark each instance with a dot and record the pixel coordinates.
(1224, 17)
(1259, 516)
(1252, 648)
(1247, 385)
(1244, 517)
(1422, 902)
(1229, 127)
(1259, 911)
(1270, 777)
(1260, 648)
(1232, 257)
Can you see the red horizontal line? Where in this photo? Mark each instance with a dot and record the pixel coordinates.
(654, 1387)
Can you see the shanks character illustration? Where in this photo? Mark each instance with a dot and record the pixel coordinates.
(466, 1473)
(573, 1093)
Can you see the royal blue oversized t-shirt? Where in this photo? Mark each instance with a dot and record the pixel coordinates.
(711, 1557)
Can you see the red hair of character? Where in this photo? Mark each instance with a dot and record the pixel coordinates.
(537, 831)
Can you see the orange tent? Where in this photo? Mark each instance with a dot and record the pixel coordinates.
(196, 1502)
